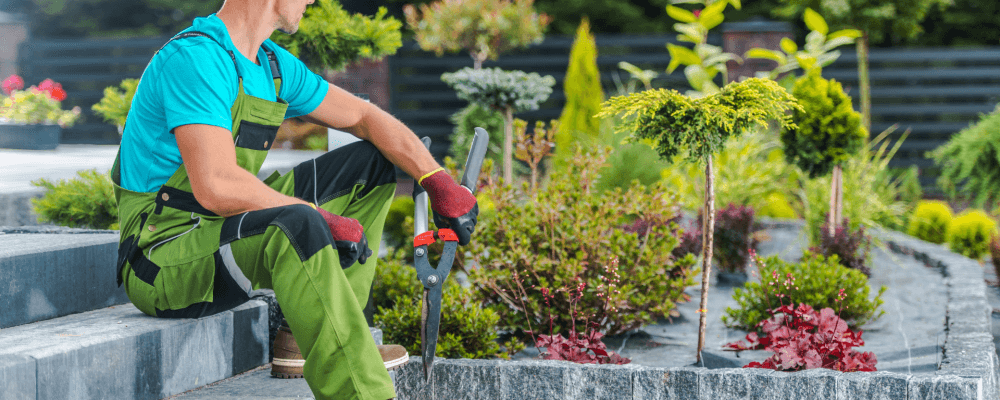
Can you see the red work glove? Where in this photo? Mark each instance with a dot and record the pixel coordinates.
(454, 206)
(348, 238)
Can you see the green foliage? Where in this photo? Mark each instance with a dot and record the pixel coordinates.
(970, 162)
(880, 19)
(109, 18)
(777, 206)
(566, 234)
(87, 201)
(749, 170)
(499, 89)
(115, 104)
(965, 23)
(483, 28)
(820, 47)
(700, 127)
(465, 121)
(395, 233)
(628, 162)
(705, 61)
(583, 93)
(467, 330)
(871, 191)
(969, 234)
(930, 221)
(817, 282)
(828, 129)
(329, 37)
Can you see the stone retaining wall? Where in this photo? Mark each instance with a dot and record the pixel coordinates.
(969, 369)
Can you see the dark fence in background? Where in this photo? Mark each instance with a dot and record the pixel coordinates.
(422, 101)
(933, 92)
(85, 67)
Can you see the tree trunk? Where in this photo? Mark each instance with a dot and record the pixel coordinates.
(840, 194)
(864, 83)
(831, 215)
(477, 60)
(708, 228)
(508, 144)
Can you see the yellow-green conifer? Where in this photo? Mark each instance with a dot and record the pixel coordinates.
(583, 92)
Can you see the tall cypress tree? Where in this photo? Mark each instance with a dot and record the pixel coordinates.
(583, 93)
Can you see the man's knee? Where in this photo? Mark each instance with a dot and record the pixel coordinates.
(303, 227)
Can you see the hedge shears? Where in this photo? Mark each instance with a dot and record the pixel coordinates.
(433, 277)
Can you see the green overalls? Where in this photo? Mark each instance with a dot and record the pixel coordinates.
(180, 260)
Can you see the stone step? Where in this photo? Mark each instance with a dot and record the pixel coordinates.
(121, 353)
(49, 272)
(258, 384)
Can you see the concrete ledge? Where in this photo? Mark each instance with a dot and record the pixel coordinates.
(51, 275)
(120, 353)
(969, 369)
(16, 209)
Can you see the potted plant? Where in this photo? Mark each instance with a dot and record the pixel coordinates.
(32, 118)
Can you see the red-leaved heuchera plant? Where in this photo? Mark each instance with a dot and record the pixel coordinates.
(586, 347)
(802, 338)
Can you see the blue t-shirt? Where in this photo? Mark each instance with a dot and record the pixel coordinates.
(193, 81)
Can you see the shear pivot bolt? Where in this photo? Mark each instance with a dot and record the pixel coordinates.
(432, 280)
(419, 252)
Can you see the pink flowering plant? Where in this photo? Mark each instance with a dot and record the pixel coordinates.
(36, 105)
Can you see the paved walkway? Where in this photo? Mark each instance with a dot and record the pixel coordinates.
(19, 167)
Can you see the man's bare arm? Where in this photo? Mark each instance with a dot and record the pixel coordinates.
(218, 183)
(344, 111)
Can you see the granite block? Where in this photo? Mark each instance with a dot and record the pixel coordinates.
(816, 383)
(409, 381)
(969, 317)
(610, 382)
(466, 379)
(871, 385)
(251, 343)
(650, 383)
(724, 384)
(537, 379)
(44, 276)
(17, 377)
(944, 387)
(683, 383)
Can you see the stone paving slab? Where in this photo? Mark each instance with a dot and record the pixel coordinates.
(19, 167)
(120, 353)
(45, 276)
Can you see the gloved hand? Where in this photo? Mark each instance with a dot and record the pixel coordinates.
(348, 238)
(454, 206)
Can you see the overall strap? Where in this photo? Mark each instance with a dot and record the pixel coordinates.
(275, 72)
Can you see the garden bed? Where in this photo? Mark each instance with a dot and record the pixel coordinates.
(934, 342)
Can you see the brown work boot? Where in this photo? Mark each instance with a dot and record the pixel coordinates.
(393, 356)
(288, 361)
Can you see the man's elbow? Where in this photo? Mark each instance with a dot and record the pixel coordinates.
(210, 196)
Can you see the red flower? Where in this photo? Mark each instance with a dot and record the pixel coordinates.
(12, 83)
(697, 13)
(57, 94)
(47, 85)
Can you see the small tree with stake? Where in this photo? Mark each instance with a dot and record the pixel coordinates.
(697, 129)
(505, 91)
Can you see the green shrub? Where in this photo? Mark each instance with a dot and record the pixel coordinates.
(970, 162)
(465, 121)
(565, 234)
(467, 330)
(930, 221)
(817, 282)
(970, 233)
(829, 130)
(87, 201)
(115, 104)
(583, 94)
(871, 191)
(777, 206)
(331, 37)
(748, 170)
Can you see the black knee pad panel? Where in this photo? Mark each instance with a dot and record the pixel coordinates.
(304, 227)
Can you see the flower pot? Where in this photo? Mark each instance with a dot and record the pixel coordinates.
(30, 137)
